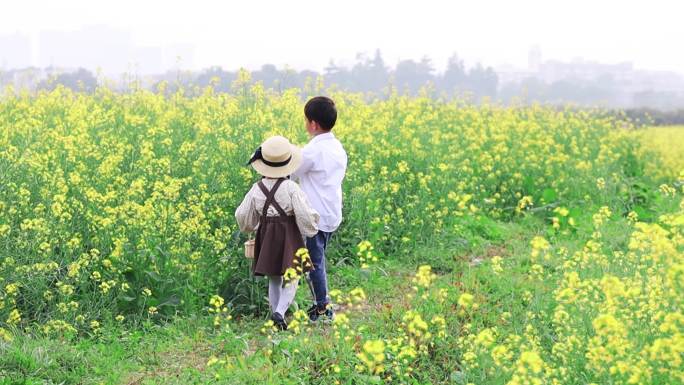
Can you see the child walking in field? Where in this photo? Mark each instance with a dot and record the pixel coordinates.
(278, 210)
(320, 176)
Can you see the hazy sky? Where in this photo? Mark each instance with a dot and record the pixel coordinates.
(306, 34)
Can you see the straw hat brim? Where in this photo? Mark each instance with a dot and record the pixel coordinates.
(283, 171)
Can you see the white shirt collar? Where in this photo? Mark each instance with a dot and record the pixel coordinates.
(326, 136)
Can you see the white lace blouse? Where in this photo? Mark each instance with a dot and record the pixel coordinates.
(289, 196)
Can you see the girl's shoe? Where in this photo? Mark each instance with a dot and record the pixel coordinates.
(317, 313)
(279, 321)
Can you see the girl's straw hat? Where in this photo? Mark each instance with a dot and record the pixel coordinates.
(276, 158)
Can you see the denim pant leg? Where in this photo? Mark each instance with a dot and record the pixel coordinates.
(316, 246)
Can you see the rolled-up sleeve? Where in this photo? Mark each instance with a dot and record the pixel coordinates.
(306, 217)
(246, 214)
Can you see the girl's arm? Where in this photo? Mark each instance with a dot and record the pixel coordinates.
(246, 214)
(306, 217)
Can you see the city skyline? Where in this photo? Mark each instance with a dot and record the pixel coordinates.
(73, 49)
(112, 50)
(307, 34)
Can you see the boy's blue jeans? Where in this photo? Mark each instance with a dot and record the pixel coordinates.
(319, 279)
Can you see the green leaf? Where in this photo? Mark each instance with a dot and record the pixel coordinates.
(170, 301)
(528, 185)
(643, 213)
(155, 277)
(575, 213)
(549, 195)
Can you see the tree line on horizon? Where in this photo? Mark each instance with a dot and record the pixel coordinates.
(373, 77)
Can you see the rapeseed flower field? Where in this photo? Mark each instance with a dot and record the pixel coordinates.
(116, 215)
(665, 142)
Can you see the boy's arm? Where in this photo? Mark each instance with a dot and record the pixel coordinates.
(307, 163)
(306, 217)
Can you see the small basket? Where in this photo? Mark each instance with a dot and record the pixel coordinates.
(249, 249)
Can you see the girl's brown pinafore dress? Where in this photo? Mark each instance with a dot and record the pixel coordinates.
(277, 239)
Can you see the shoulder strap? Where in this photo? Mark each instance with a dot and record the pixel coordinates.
(270, 197)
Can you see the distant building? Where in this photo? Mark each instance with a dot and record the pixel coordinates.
(589, 82)
(510, 74)
(91, 47)
(534, 59)
(15, 51)
(553, 70)
(26, 78)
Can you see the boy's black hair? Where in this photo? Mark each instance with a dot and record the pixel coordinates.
(321, 109)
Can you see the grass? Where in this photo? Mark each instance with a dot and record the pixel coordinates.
(118, 207)
(183, 350)
(178, 352)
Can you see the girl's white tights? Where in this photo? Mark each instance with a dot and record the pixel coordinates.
(280, 297)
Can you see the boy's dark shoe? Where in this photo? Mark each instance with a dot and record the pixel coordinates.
(279, 321)
(317, 313)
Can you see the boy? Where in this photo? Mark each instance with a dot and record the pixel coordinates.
(320, 175)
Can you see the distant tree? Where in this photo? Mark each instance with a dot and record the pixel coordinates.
(269, 76)
(646, 116)
(369, 75)
(529, 90)
(565, 91)
(482, 82)
(4, 78)
(412, 75)
(217, 77)
(307, 82)
(663, 100)
(338, 76)
(455, 79)
(79, 80)
(291, 78)
(378, 70)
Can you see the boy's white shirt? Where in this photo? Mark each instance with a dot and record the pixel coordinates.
(324, 163)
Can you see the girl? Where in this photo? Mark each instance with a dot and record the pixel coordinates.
(277, 209)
